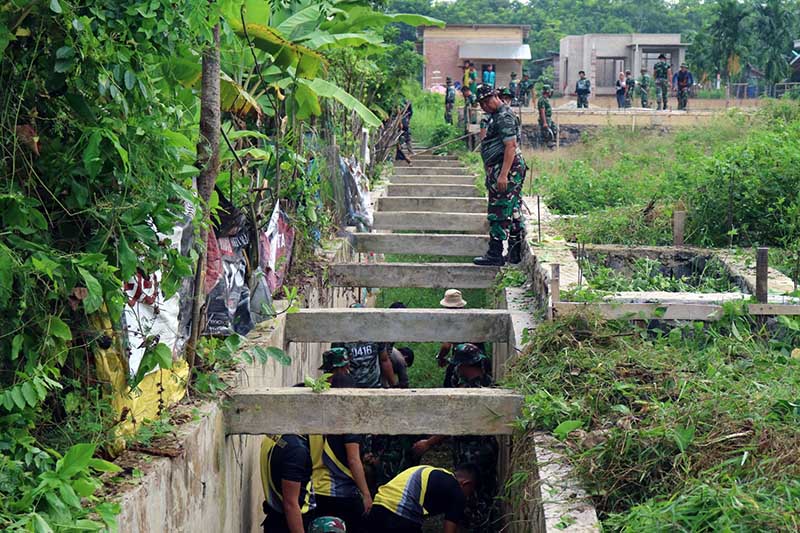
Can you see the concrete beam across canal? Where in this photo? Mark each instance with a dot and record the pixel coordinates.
(372, 411)
(397, 325)
(420, 244)
(428, 221)
(438, 205)
(424, 170)
(428, 275)
(423, 189)
(434, 179)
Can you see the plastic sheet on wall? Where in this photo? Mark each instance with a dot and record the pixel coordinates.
(227, 293)
(357, 197)
(276, 249)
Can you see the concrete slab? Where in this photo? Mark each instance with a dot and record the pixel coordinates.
(434, 180)
(423, 189)
(426, 156)
(630, 118)
(429, 275)
(643, 311)
(421, 244)
(441, 204)
(428, 171)
(675, 297)
(397, 325)
(428, 221)
(429, 162)
(372, 411)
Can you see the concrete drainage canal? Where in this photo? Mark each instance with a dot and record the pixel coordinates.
(429, 223)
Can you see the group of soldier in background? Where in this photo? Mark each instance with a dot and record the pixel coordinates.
(665, 82)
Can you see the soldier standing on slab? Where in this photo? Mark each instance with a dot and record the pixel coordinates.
(662, 71)
(683, 82)
(644, 87)
(583, 88)
(505, 174)
(449, 101)
(546, 126)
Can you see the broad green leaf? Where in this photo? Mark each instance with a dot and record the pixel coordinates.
(327, 89)
(306, 101)
(126, 258)
(68, 496)
(362, 17)
(6, 275)
(103, 466)
(163, 355)
(29, 394)
(16, 345)
(279, 355)
(322, 40)
(16, 395)
(59, 329)
(185, 71)
(240, 134)
(566, 427)
(235, 99)
(91, 154)
(39, 523)
(684, 437)
(293, 26)
(94, 299)
(75, 460)
(84, 487)
(85, 524)
(55, 6)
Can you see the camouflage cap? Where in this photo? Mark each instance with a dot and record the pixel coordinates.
(484, 90)
(335, 358)
(327, 524)
(466, 354)
(684, 65)
(546, 88)
(662, 56)
(504, 91)
(513, 74)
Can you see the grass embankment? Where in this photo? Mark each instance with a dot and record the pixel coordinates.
(425, 372)
(738, 178)
(694, 429)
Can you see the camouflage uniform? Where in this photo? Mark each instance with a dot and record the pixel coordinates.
(394, 455)
(644, 86)
(327, 524)
(544, 103)
(661, 70)
(481, 451)
(504, 211)
(449, 102)
(630, 87)
(525, 91)
(582, 89)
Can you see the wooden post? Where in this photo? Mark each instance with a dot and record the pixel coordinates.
(762, 270)
(678, 225)
(555, 282)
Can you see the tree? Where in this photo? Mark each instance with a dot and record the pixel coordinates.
(727, 36)
(775, 38)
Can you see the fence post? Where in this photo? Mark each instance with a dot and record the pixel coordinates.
(678, 225)
(762, 270)
(555, 287)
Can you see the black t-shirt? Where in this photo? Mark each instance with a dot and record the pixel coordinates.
(291, 460)
(444, 495)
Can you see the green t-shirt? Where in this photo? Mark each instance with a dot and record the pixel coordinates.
(502, 127)
(544, 103)
(662, 70)
(644, 82)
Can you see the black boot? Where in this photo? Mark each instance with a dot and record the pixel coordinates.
(514, 250)
(494, 257)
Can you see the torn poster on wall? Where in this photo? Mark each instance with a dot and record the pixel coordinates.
(276, 248)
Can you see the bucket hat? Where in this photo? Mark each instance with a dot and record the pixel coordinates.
(452, 299)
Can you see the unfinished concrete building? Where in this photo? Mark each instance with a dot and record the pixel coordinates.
(445, 50)
(604, 56)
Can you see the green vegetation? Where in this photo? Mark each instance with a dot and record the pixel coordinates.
(689, 429)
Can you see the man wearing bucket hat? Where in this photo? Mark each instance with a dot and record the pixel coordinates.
(662, 72)
(482, 451)
(505, 174)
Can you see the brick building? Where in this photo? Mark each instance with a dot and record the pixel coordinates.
(603, 56)
(446, 49)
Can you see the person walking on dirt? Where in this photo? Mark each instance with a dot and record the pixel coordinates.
(644, 87)
(582, 89)
(505, 174)
(547, 127)
(662, 72)
(683, 82)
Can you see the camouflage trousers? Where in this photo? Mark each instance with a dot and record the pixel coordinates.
(645, 101)
(482, 511)
(448, 112)
(662, 93)
(583, 101)
(505, 208)
(683, 97)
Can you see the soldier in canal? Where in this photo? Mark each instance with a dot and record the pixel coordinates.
(505, 174)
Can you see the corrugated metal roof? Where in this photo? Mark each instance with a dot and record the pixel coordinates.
(494, 51)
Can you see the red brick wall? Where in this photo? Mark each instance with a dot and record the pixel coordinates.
(442, 56)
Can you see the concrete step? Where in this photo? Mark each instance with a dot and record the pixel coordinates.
(430, 221)
(437, 163)
(430, 157)
(430, 171)
(477, 411)
(423, 189)
(434, 179)
(449, 245)
(428, 275)
(439, 205)
(397, 325)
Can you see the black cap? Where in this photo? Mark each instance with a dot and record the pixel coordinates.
(484, 90)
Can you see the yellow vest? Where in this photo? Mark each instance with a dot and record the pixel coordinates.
(272, 494)
(330, 476)
(405, 494)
